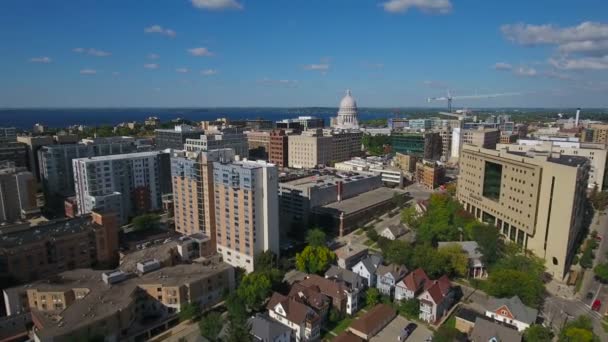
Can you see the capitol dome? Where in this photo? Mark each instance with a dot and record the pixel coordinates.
(347, 113)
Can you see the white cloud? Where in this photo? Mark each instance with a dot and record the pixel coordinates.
(428, 6)
(586, 47)
(153, 56)
(217, 4)
(209, 72)
(92, 52)
(151, 66)
(317, 67)
(526, 34)
(558, 75)
(43, 59)
(278, 82)
(502, 66)
(182, 70)
(435, 84)
(200, 51)
(160, 30)
(525, 71)
(88, 72)
(591, 63)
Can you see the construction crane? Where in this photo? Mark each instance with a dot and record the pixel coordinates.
(450, 98)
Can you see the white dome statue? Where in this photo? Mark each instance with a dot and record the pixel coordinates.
(347, 113)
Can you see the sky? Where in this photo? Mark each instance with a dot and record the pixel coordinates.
(302, 53)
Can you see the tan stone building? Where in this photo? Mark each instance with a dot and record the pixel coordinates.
(597, 133)
(482, 137)
(310, 149)
(259, 144)
(535, 200)
(346, 144)
(406, 162)
(429, 174)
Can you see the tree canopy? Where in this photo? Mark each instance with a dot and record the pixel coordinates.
(314, 259)
(538, 333)
(578, 330)
(211, 326)
(316, 237)
(254, 289)
(146, 221)
(372, 296)
(601, 272)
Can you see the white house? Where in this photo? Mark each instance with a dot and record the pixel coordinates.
(388, 276)
(366, 268)
(511, 311)
(436, 300)
(300, 318)
(412, 285)
(392, 232)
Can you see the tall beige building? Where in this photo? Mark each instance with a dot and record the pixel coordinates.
(535, 200)
(597, 133)
(481, 137)
(246, 210)
(310, 149)
(595, 152)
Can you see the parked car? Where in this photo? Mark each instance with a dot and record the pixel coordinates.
(407, 331)
(597, 304)
(589, 295)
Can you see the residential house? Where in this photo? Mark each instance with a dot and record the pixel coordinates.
(266, 329)
(393, 231)
(347, 336)
(412, 285)
(465, 319)
(477, 269)
(354, 282)
(350, 254)
(374, 320)
(312, 297)
(422, 206)
(388, 276)
(297, 316)
(367, 268)
(487, 331)
(511, 311)
(344, 298)
(436, 300)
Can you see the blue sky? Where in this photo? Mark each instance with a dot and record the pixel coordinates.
(114, 53)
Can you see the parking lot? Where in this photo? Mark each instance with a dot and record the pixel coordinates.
(394, 328)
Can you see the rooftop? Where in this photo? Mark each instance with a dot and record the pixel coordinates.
(48, 230)
(485, 330)
(319, 181)
(122, 156)
(374, 317)
(520, 311)
(364, 200)
(349, 250)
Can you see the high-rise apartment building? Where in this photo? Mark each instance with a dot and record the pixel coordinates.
(310, 149)
(33, 145)
(278, 153)
(175, 138)
(232, 138)
(193, 194)
(17, 193)
(246, 210)
(14, 152)
(595, 152)
(8, 134)
(30, 253)
(126, 184)
(56, 170)
(535, 200)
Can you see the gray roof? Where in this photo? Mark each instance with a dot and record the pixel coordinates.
(470, 247)
(352, 279)
(396, 229)
(265, 328)
(396, 271)
(485, 330)
(371, 262)
(520, 312)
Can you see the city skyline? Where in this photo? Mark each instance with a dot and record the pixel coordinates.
(239, 53)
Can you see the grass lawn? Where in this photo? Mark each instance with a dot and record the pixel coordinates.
(368, 243)
(359, 232)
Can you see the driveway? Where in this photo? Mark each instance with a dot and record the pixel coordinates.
(394, 328)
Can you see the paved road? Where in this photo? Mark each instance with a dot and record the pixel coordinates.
(590, 284)
(394, 328)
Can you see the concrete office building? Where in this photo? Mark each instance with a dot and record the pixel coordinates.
(259, 144)
(33, 145)
(595, 152)
(30, 253)
(56, 170)
(596, 133)
(14, 152)
(424, 145)
(175, 138)
(301, 123)
(298, 197)
(420, 124)
(346, 144)
(193, 192)
(246, 210)
(17, 193)
(226, 138)
(481, 137)
(278, 153)
(535, 199)
(446, 143)
(127, 184)
(8, 134)
(406, 162)
(310, 149)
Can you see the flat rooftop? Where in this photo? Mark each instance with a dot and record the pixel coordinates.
(50, 230)
(122, 156)
(326, 180)
(105, 300)
(364, 200)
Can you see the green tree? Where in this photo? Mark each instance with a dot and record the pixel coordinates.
(409, 216)
(316, 237)
(211, 326)
(578, 330)
(396, 251)
(447, 334)
(254, 289)
(601, 272)
(454, 259)
(490, 242)
(189, 311)
(510, 282)
(398, 200)
(146, 222)
(314, 259)
(372, 296)
(238, 331)
(372, 234)
(599, 200)
(410, 308)
(538, 333)
(237, 325)
(265, 261)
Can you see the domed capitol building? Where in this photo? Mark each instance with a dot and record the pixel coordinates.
(347, 114)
